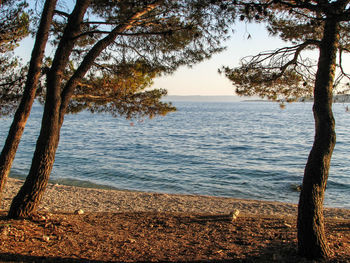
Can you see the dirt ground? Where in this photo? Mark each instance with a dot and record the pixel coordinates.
(159, 237)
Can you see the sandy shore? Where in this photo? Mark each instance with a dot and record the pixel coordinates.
(62, 198)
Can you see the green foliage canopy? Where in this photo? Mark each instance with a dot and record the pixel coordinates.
(14, 26)
(288, 73)
(121, 90)
(173, 34)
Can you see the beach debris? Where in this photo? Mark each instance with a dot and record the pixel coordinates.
(131, 240)
(4, 230)
(45, 208)
(287, 225)
(233, 215)
(46, 238)
(79, 212)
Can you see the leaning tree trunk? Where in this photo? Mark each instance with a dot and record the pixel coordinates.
(21, 116)
(28, 198)
(30, 194)
(312, 242)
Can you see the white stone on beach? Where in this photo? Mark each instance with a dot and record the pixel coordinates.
(287, 225)
(79, 212)
(234, 214)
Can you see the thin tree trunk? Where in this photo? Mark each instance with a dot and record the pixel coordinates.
(312, 242)
(30, 194)
(21, 116)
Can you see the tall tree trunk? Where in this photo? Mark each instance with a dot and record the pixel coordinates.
(312, 242)
(21, 116)
(30, 194)
(27, 200)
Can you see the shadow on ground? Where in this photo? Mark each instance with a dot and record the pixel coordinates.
(287, 255)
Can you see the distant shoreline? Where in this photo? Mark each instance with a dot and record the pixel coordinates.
(232, 98)
(195, 98)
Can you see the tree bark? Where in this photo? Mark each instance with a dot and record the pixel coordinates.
(26, 201)
(312, 242)
(21, 116)
(29, 197)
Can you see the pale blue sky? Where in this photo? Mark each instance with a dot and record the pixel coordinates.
(204, 79)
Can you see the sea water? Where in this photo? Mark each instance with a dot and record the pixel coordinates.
(251, 150)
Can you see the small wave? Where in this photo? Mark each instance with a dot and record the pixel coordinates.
(240, 150)
(81, 183)
(338, 185)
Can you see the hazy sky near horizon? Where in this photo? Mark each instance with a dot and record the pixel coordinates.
(204, 79)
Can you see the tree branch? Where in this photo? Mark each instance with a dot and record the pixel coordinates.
(92, 32)
(94, 52)
(283, 52)
(61, 13)
(99, 23)
(341, 63)
(301, 4)
(298, 50)
(165, 32)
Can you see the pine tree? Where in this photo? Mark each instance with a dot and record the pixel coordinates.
(14, 26)
(286, 74)
(26, 94)
(120, 91)
(97, 34)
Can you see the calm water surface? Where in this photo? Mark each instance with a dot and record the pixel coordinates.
(251, 150)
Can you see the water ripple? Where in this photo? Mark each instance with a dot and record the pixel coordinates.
(243, 150)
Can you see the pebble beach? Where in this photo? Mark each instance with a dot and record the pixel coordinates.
(63, 198)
